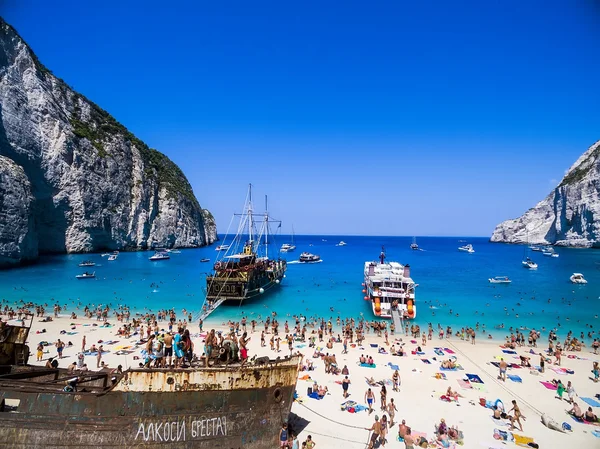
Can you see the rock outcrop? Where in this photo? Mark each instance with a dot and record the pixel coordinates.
(568, 216)
(94, 185)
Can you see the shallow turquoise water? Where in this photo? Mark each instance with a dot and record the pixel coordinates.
(448, 280)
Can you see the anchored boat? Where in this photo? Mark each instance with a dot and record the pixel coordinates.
(389, 285)
(226, 405)
(246, 271)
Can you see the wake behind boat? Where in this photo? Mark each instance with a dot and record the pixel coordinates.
(245, 271)
(388, 286)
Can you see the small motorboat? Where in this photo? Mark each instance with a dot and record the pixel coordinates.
(535, 248)
(342, 243)
(87, 263)
(467, 248)
(222, 248)
(309, 258)
(287, 248)
(204, 260)
(175, 251)
(160, 255)
(113, 256)
(86, 275)
(577, 278)
(499, 280)
(528, 263)
(105, 254)
(414, 245)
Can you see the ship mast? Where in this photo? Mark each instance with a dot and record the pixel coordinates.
(266, 228)
(250, 217)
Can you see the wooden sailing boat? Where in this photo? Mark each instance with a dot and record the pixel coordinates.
(245, 270)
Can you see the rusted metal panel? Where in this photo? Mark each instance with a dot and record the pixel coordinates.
(185, 408)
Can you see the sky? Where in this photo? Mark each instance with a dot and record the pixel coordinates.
(355, 118)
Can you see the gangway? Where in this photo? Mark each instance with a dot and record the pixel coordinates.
(398, 321)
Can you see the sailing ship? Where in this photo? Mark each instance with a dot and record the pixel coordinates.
(388, 285)
(245, 270)
(225, 405)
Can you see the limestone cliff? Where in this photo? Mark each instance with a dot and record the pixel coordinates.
(568, 216)
(94, 185)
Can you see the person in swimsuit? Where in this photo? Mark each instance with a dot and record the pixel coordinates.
(369, 398)
(376, 429)
(517, 416)
(409, 442)
(384, 430)
(283, 436)
(503, 366)
(345, 384)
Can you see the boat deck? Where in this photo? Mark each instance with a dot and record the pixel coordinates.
(398, 321)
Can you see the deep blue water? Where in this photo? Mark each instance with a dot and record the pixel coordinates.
(448, 280)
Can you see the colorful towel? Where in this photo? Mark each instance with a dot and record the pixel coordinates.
(456, 368)
(499, 422)
(474, 378)
(440, 376)
(509, 351)
(465, 385)
(548, 385)
(449, 351)
(439, 351)
(515, 378)
(366, 365)
(426, 361)
(590, 401)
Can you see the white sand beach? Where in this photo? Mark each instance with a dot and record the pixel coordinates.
(418, 401)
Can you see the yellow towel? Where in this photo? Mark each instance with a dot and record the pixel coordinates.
(522, 441)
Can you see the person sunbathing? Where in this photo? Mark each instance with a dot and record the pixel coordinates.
(576, 411)
(452, 394)
(363, 359)
(448, 364)
(453, 433)
(322, 391)
(525, 361)
(590, 416)
(371, 381)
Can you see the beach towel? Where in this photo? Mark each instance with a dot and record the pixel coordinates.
(346, 405)
(449, 351)
(548, 385)
(394, 367)
(439, 351)
(509, 351)
(515, 378)
(374, 345)
(456, 368)
(474, 378)
(500, 422)
(305, 377)
(583, 421)
(366, 365)
(590, 401)
(465, 385)
(558, 370)
(596, 433)
(111, 342)
(71, 333)
(480, 387)
(123, 352)
(426, 361)
(440, 376)
(522, 441)
(514, 365)
(315, 395)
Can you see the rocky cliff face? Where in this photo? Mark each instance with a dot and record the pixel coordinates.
(569, 216)
(94, 186)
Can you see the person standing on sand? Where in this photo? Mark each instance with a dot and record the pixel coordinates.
(99, 357)
(369, 398)
(83, 344)
(503, 367)
(345, 384)
(571, 392)
(283, 436)
(391, 409)
(310, 444)
(517, 416)
(409, 442)
(542, 363)
(396, 381)
(383, 394)
(376, 429)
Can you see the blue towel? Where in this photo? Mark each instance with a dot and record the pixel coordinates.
(394, 367)
(508, 351)
(596, 433)
(374, 345)
(360, 408)
(515, 378)
(474, 378)
(448, 369)
(315, 396)
(590, 401)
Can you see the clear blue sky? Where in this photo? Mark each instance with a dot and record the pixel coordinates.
(383, 118)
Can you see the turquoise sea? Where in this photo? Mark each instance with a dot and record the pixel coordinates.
(449, 280)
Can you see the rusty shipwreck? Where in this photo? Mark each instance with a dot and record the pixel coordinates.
(220, 406)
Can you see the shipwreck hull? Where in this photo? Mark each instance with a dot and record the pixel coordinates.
(210, 408)
(212, 419)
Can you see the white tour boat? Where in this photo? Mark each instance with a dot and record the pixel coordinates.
(528, 263)
(222, 248)
(467, 248)
(86, 275)
(386, 283)
(160, 255)
(309, 258)
(342, 243)
(577, 278)
(113, 256)
(500, 280)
